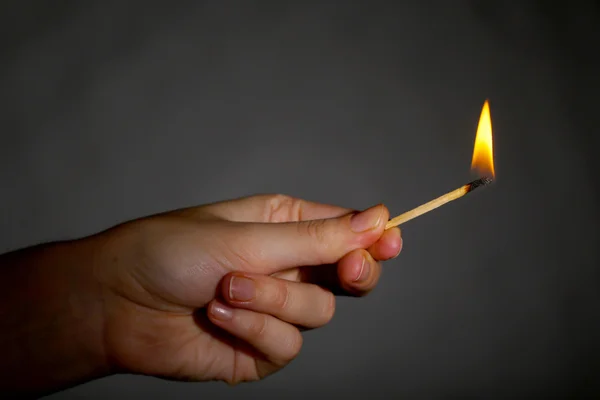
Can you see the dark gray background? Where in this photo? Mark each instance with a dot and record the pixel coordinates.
(115, 110)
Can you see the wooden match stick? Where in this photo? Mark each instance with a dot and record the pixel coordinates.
(440, 201)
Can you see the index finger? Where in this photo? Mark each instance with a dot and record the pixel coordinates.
(272, 208)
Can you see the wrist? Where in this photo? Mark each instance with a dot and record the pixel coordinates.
(52, 319)
(86, 301)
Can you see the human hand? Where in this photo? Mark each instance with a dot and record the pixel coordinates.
(168, 283)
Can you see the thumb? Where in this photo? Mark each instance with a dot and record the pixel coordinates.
(274, 247)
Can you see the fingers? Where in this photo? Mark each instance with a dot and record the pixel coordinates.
(313, 242)
(358, 272)
(262, 311)
(278, 341)
(303, 304)
(272, 208)
(388, 246)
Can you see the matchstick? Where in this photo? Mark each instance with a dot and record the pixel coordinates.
(440, 201)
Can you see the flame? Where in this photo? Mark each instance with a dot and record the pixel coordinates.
(483, 153)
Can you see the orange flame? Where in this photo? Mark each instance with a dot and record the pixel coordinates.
(483, 153)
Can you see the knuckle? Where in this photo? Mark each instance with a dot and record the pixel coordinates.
(279, 199)
(281, 296)
(328, 307)
(295, 208)
(315, 229)
(278, 206)
(257, 326)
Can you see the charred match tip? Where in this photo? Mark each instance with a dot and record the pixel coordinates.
(486, 180)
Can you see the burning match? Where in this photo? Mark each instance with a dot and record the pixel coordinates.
(482, 162)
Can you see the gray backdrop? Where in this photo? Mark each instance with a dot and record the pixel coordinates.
(115, 110)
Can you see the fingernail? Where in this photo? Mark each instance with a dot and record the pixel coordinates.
(221, 312)
(366, 220)
(241, 288)
(363, 272)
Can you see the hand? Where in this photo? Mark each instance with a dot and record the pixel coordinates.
(218, 292)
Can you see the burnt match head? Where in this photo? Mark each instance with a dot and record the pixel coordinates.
(486, 180)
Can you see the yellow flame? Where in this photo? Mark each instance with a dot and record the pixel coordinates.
(483, 153)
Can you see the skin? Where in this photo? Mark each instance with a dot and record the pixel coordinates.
(216, 292)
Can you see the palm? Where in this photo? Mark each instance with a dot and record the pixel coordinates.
(171, 335)
(181, 345)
